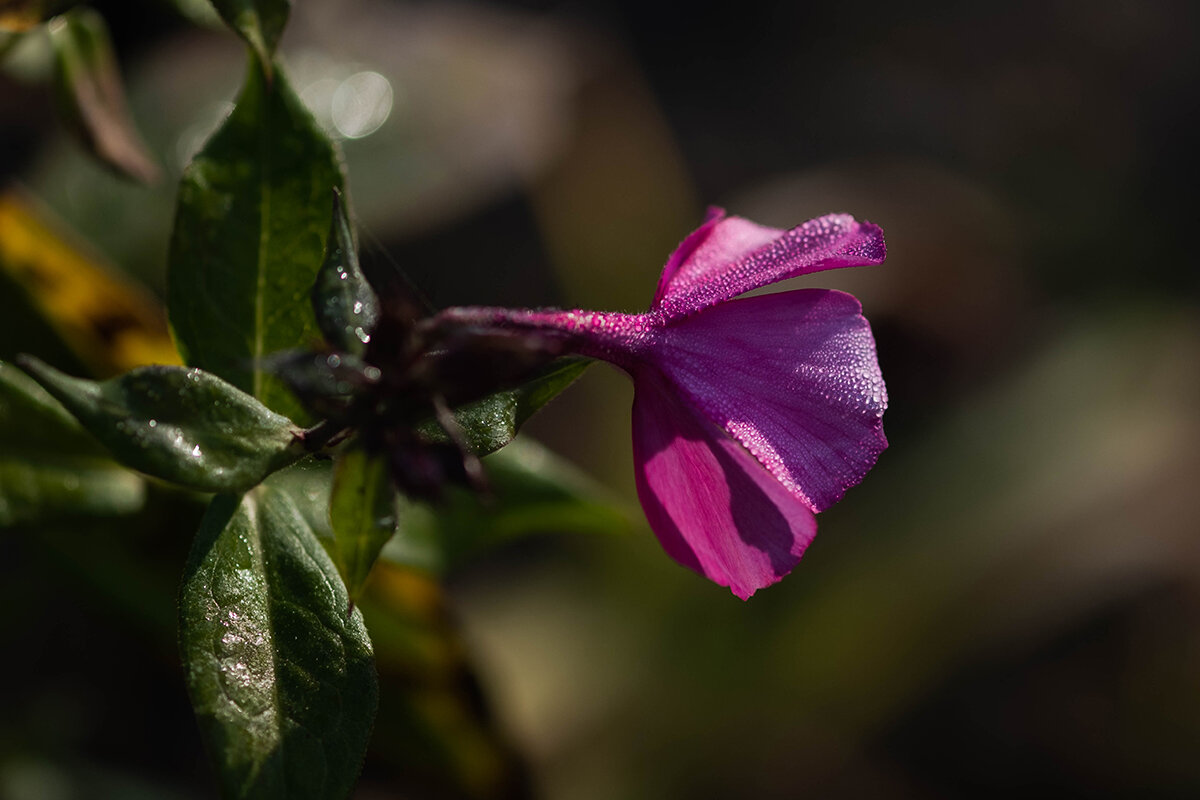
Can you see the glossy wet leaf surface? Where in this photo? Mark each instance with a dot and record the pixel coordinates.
(431, 727)
(491, 423)
(182, 425)
(282, 679)
(343, 301)
(249, 238)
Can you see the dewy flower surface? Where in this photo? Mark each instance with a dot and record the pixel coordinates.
(749, 415)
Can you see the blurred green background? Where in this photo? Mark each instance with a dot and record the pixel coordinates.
(1010, 600)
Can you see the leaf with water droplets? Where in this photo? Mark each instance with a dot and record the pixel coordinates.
(491, 423)
(281, 678)
(343, 301)
(362, 514)
(182, 425)
(431, 703)
(249, 239)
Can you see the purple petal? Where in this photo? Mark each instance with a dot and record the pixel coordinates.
(712, 506)
(687, 248)
(794, 377)
(728, 256)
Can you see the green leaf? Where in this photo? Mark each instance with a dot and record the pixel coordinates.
(281, 678)
(259, 22)
(326, 383)
(182, 425)
(491, 423)
(431, 726)
(91, 98)
(49, 467)
(534, 492)
(31, 419)
(198, 12)
(307, 483)
(249, 239)
(344, 303)
(362, 514)
(41, 491)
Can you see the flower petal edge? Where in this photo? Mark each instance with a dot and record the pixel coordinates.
(713, 507)
(729, 256)
(792, 376)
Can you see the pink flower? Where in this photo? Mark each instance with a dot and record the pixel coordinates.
(749, 415)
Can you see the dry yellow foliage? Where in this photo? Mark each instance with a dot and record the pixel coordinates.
(111, 323)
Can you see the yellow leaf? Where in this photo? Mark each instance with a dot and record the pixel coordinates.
(110, 323)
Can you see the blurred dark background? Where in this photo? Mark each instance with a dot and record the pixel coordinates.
(1010, 601)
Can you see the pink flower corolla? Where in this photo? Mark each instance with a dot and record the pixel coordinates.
(749, 415)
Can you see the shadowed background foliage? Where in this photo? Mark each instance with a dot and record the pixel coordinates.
(1012, 597)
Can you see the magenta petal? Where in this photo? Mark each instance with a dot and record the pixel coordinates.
(687, 249)
(794, 377)
(711, 504)
(730, 256)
